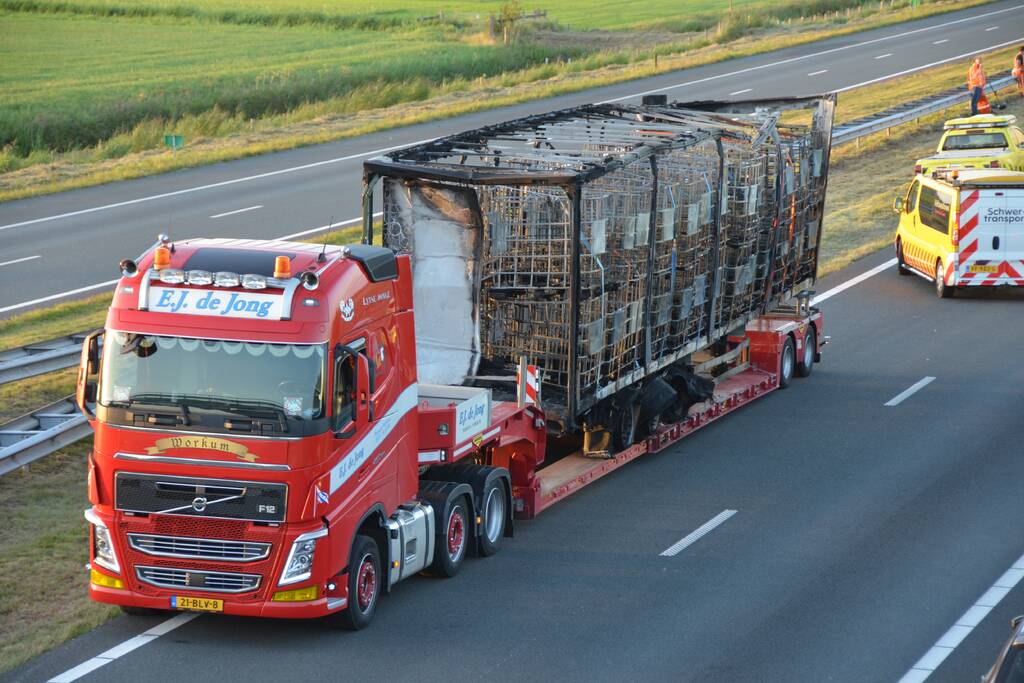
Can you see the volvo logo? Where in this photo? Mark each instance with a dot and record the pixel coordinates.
(199, 504)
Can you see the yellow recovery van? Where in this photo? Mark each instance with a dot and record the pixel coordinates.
(983, 141)
(963, 229)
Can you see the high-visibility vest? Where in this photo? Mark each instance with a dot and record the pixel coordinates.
(975, 77)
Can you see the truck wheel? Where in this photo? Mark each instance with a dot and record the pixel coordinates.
(941, 290)
(452, 543)
(787, 363)
(364, 586)
(495, 516)
(624, 423)
(806, 364)
(901, 265)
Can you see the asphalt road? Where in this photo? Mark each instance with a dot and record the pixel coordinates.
(862, 533)
(69, 244)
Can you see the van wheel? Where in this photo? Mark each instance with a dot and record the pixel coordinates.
(941, 290)
(787, 363)
(806, 364)
(901, 265)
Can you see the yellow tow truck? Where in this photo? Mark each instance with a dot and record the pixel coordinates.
(983, 141)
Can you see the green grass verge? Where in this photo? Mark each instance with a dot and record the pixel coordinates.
(241, 89)
(45, 500)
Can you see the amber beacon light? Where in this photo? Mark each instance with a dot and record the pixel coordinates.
(161, 258)
(282, 268)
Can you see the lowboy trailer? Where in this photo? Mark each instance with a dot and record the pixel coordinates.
(288, 430)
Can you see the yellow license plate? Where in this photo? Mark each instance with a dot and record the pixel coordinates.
(197, 604)
(975, 268)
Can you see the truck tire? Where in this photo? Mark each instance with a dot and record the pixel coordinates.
(901, 265)
(453, 540)
(806, 364)
(364, 586)
(493, 517)
(787, 363)
(941, 290)
(624, 424)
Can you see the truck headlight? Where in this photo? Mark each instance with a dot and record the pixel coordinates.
(103, 552)
(299, 566)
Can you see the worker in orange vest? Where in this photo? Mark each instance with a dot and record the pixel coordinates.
(976, 84)
(1018, 71)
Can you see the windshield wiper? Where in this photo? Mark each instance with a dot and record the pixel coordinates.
(249, 409)
(159, 401)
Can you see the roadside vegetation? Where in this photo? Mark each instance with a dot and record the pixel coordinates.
(45, 500)
(92, 86)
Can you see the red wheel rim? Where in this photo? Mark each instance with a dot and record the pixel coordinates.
(366, 583)
(456, 534)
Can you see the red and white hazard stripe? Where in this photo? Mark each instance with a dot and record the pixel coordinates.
(530, 389)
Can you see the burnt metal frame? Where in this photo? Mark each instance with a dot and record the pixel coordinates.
(694, 123)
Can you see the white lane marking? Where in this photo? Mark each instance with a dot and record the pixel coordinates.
(19, 260)
(98, 285)
(44, 299)
(940, 42)
(232, 213)
(828, 294)
(790, 60)
(887, 54)
(223, 183)
(818, 73)
(419, 142)
(124, 648)
(991, 28)
(945, 645)
(909, 391)
(740, 92)
(929, 65)
(697, 534)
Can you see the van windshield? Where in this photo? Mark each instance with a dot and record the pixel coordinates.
(961, 141)
(276, 382)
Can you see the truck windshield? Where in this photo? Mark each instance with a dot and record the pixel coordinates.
(974, 141)
(261, 381)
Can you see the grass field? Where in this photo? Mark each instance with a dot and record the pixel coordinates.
(90, 81)
(45, 500)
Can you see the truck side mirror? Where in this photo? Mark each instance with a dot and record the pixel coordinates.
(897, 205)
(87, 387)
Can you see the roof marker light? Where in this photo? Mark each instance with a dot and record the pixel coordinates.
(226, 279)
(251, 281)
(161, 258)
(172, 276)
(282, 268)
(199, 277)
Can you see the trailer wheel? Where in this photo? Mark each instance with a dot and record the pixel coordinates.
(625, 423)
(806, 364)
(495, 516)
(787, 363)
(452, 543)
(901, 264)
(364, 586)
(941, 290)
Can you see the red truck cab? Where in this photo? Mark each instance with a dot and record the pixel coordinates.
(260, 436)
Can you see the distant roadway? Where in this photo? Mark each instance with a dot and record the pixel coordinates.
(69, 244)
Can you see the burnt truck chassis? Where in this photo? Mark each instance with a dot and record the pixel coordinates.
(608, 243)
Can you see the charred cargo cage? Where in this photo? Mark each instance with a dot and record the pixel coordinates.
(605, 243)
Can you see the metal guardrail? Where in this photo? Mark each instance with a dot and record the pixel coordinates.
(907, 112)
(39, 358)
(60, 423)
(40, 433)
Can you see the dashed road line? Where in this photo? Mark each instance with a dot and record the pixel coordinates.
(949, 641)
(818, 73)
(991, 28)
(232, 213)
(19, 260)
(887, 54)
(909, 391)
(740, 92)
(699, 533)
(940, 42)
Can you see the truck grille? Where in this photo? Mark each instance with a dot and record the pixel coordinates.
(211, 498)
(189, 579)
(199, 548)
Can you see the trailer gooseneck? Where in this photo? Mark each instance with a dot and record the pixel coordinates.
(288, 430)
